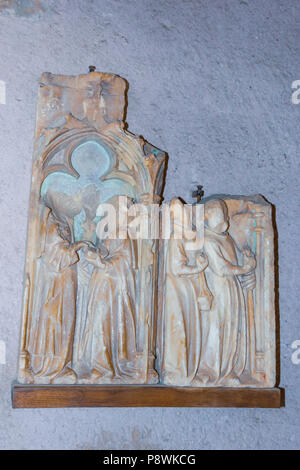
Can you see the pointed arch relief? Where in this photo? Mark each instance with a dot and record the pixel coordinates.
(86, 180)
(89, 299)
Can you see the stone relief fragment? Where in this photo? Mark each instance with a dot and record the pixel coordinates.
(89, 301)
(217, 313)
(104, 306)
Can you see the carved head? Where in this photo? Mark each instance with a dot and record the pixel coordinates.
(216, 215)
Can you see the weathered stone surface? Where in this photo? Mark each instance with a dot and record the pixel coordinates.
(25, 8)
(217, 315)
(89, 300)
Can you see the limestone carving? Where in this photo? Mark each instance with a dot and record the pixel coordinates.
(181, 316)
(89, 302)
(230, 343)
(121, 303)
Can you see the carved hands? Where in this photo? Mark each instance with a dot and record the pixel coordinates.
(78, 245)
(248, 266)
(201, 261)
(249, 262)
(94, 257)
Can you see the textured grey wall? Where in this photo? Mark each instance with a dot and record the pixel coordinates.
(210, 83)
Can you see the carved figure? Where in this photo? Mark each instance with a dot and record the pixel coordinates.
(109, 340)
(52, 321)
(224, 334)
(181, 313)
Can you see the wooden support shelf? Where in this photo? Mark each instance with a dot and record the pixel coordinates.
(65, 396)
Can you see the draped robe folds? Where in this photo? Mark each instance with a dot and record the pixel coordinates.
(51, 328)
(224, 341)
(109, 340)
(84, 271)
(181, 317)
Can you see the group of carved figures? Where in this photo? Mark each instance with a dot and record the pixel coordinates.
(205, 325)
(84, 314)
(101, 310)
(82, 320)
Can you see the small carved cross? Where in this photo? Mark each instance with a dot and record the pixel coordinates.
(198, 193)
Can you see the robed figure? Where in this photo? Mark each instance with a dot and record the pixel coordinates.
(51, 323)
(109, 339)
(181, 309)
(224, 329)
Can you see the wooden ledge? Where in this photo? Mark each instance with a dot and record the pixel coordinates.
(64, 396)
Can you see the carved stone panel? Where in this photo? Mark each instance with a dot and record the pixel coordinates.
(104, 306)
(89, 302)
(217, 308)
